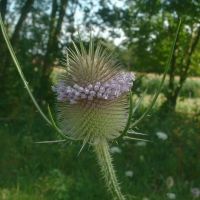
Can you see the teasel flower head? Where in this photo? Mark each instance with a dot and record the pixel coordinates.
(92, 95)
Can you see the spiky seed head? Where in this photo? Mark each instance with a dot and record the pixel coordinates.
(92, 95)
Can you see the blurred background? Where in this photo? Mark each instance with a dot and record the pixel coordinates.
(140, 33)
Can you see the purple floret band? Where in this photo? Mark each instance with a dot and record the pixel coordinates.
(108, 90)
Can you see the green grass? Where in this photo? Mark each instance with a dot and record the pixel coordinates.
(184, 105)
(54, 171)
(151, 81)
(30, 171)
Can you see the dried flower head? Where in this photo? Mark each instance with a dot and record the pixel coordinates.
(92, 95)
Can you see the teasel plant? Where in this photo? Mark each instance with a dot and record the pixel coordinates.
(94, 102)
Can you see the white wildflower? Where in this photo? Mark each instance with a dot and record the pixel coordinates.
(141, 144)
(195, 192)
(171, 195)
(115, 149)
(162, 135)
(129, 173)
(141, 158)
(169, 182)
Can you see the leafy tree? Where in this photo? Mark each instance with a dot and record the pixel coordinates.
(150, 27)
(39, 32)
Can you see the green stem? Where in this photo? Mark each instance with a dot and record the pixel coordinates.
(15, 60)
(105, 162)
(19, 69)
(162, 80)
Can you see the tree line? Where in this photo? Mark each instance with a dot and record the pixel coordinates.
(40, 31)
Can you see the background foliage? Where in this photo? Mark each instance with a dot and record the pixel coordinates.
(140, 34)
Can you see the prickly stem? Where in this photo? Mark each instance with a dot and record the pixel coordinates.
(107, 169)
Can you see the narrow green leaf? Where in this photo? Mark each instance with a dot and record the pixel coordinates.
(139, 102)
(133, 138)
(54, 124)
(135, 133)
(82, 147)
(83, 50)
(130, 114)
(48, 142)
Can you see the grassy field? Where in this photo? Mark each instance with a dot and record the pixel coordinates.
(165, 168)
(151, 81)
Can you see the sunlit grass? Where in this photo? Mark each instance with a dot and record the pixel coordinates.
(34, 172)
(184, 105)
